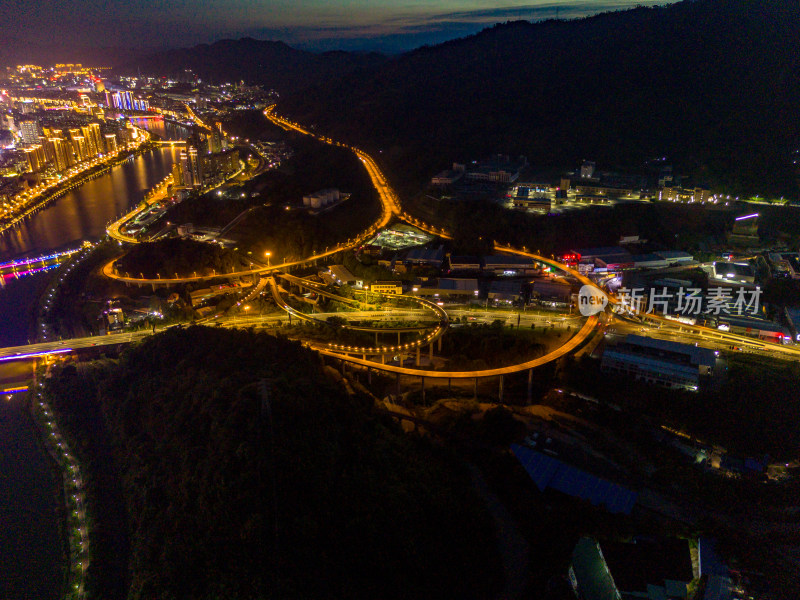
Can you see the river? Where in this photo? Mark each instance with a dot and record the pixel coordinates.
(83, 213)
(30, 547)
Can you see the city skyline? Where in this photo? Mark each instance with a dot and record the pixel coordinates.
(388, 26)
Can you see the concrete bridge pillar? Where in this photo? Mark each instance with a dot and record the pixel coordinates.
(475, 390)
(440, 344)
(530, 385)
(430, 353)
(376, 338)
(424, 403)
(502, 378)
(419, 352)
(398, 338)
(383, 358)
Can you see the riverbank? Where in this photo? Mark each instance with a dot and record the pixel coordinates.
(79, 180)
(76, 532)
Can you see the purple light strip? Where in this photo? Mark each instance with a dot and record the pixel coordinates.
(35, 354)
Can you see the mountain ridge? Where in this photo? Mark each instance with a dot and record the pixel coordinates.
(708, 83)
(273, 63)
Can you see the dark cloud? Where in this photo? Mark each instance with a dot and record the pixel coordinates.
(184, 22)
(407, 31)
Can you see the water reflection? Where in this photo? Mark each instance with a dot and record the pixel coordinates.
(84, 212)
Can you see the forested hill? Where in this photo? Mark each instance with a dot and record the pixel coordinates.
(712, 84)
(234, 493)
(272, 64)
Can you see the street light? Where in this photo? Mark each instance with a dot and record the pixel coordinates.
(268, 254)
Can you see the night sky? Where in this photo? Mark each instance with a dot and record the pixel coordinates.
(315, 24)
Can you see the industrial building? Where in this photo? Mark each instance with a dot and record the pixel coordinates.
(429, 257)
(322, 198)
(341, 275)
(509, 265)
(785, 264)
(616, 258)
(669, 364)
(464, 263)
(449, 176)
(448, 287)
(646, 568)
(733, 272)
(505, 291)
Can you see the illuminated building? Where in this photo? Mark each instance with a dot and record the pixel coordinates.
(186, 171)
(35, 157)
(109, 100)
(676, 194)
(197, 170)
(94, 139)
(215, 141)
(99, 86)
(111, 142)
(80, 147)
(47, 147)
(30, 131)
(85, 100)
(177, 175)
(59, 153)
(10, 123)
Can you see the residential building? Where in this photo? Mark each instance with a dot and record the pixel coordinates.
(678, 194)
(30, 131)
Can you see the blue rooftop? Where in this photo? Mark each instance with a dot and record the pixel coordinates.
(548, 472)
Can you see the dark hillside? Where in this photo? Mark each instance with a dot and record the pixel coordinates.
(304, 493)
(711, 83)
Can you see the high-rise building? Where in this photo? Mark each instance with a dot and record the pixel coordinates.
(35, 156)
(100, 86)
(177, 175)
(197, 169)
(80, 147)
(59, 153)
(186, 170)
(30, 131)
(94, 140)
(215, 141)
(111, 142)
(27, 107)
(10, 123)
(85, 100)
(47, 147)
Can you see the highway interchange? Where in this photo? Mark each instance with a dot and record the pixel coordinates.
(391, 209)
